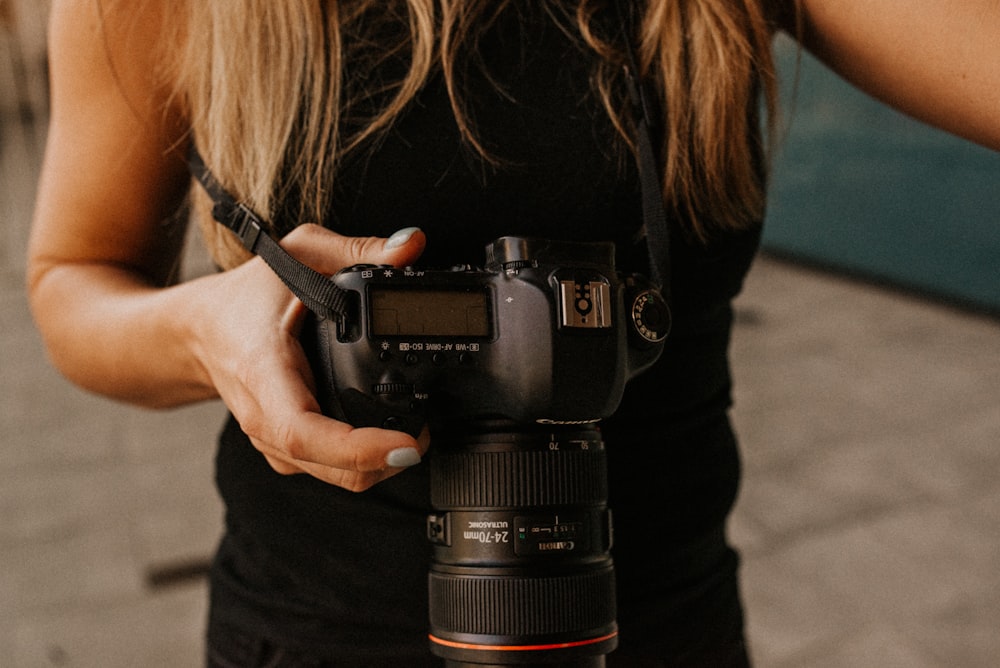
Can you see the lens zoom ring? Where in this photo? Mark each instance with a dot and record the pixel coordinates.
(521, 607)
(517, 479)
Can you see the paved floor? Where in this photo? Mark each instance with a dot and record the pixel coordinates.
(869, 519)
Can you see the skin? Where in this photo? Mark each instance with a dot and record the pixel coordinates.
(101, 257)
(936, 61)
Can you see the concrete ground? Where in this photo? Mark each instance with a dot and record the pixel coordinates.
(869, 518)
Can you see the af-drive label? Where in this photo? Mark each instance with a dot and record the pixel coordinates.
(433, 347)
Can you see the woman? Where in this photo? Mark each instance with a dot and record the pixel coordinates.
(420, 130)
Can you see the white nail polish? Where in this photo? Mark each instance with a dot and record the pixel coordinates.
(400, 237)
(402, 457)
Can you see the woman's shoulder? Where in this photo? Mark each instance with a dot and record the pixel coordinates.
(101, 44)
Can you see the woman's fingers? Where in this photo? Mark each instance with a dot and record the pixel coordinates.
(328, 252)
(349, 457)
(264, 377)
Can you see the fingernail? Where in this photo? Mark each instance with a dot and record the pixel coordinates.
(401, 237)
(402, 457)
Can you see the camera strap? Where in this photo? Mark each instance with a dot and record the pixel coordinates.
(324, 298)
(654, 214)
(321, 295)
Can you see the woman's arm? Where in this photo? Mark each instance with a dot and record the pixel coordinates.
(102, 253)
(102, 239)
(936, 61)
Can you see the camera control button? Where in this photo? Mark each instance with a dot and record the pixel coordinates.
(439, 359)
(394, 422)
(515, 265)
(392, 388)
(412, 358)
(437, 529)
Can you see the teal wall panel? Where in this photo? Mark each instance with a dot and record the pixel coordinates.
(859, 188)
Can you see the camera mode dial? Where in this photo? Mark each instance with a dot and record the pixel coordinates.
(650, 316)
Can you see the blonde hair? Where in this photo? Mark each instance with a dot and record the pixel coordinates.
(274, 102)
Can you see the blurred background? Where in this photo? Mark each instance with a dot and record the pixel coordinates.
(867, 366)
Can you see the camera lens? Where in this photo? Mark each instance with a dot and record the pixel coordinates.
(521, 572)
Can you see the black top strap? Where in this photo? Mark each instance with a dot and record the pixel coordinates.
(317, 292)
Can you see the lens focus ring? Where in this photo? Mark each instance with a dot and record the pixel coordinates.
(518, 479)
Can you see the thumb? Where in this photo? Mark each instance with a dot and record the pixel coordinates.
(404, 247)
(328, 252)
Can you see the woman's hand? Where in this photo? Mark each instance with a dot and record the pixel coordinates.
(246, 339)
(101, 257)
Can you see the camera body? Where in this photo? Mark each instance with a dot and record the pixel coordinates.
(546, 333)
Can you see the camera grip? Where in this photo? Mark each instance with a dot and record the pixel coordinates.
(387, 407)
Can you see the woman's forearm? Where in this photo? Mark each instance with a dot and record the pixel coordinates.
(112, 333)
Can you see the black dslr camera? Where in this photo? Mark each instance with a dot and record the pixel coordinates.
(512, 366)
(548, 333)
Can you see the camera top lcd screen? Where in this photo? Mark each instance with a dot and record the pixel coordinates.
(422, 312)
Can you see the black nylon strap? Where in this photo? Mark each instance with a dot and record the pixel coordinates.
(317, 292)
(654, 214)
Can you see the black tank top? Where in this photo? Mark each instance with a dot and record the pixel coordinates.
(346, 573)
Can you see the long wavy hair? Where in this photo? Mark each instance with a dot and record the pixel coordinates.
(277, 92)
